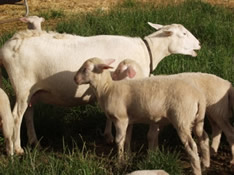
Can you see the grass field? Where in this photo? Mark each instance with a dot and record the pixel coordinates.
(71, 136)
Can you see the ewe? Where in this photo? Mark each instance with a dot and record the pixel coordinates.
(149, 100)
(41, 65)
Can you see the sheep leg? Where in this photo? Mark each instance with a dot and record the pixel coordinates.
(153, 133)
(32, 137)
(229, 133)
(9, 145)
(18, 111)
(152, 136)
(7, 127)
(121, 129)
(108, 132)
(215, 136)
(128, 138)
(203, 142)
(191, 148)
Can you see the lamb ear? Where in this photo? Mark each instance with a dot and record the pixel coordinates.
(103, 66)
(109, 61)
(156, 26)
(122, 67)
(131, 72)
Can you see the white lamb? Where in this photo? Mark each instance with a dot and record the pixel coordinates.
(127, 69)
(7, 122)
(41, 65)
(149, 100)
(34, 22)
(219, 101)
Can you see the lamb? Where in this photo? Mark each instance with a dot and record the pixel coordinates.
(219, 104)
(148, 172)
(149, 100)
(127, 69)
(34, 22)
(7, 122)
(40, 68)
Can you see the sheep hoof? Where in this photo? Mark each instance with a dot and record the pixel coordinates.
(109, 139)
(213, 152)
(19, 151)
(232, 162)
(205, 165)
(36, 145)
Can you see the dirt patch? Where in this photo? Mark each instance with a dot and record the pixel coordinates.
(69, 7)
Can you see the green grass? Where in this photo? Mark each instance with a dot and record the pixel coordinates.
(165, 159)
(85, 162)
(42, 162)
(79, 126)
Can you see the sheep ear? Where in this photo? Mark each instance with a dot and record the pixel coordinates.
(23, 19)
(122, 67)
(156, 26)
(131, 72)
(167, 32)
(109, 61)
(103, 66)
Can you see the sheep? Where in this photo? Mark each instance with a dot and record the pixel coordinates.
(43, 64)
(148, 172)
(34, 22)
(127, 69)
(7, 122)
(219, 104)
(149, 100)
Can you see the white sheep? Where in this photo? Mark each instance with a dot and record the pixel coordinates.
(34, 22)
(149, 100)
(148, 172)
(7, 122)
(42, 65)
(219, 104)
(127, 69)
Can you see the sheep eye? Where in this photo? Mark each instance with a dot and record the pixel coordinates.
(84, 70)
(184, 33)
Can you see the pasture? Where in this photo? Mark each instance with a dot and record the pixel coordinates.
(71, 138)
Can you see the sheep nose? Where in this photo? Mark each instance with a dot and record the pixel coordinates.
(199, 47)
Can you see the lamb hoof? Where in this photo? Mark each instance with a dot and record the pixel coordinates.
(213, 152)
(109, 139)
(232, 162)
(19, 151)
